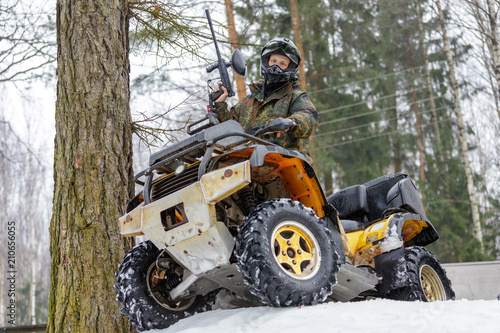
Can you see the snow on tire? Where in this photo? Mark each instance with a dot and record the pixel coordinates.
(286, 254)
(427, 280)
(147, 306)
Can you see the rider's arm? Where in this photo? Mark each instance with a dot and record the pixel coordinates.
(221, 108)
(223, 111)
(304, 114)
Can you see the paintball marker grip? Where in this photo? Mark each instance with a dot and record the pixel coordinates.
(216, 95)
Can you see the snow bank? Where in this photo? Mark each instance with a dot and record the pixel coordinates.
(371, 316)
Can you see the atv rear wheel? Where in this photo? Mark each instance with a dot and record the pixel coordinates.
(142, 289)
(286, 254)
(427, 280)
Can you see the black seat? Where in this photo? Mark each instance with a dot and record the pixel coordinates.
(376, 194)
(360, 205)
(351, 203)
(405, 195)
(350, 225)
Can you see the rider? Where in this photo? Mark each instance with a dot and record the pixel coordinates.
(275, 97)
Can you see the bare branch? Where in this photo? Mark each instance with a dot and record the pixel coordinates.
(28, 148)
(26, 42)
(149, 129)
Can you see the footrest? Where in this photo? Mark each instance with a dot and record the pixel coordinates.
(351, 282)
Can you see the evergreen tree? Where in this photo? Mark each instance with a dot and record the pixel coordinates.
(378, 77)
(340, 40)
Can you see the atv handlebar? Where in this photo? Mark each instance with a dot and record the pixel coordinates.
(277, 125)
(201, 145)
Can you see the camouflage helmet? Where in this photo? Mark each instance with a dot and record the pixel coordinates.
(282, 46)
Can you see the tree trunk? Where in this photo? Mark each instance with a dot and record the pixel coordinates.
(395, 138)
(3, 273)
(7, 174)
(294, 12)
(430, 91)
(478, 234)
(31, 190)
(494, 37)
(233, 39)
(491, 78)
(489, 36)
(417, 117)
(396, 147)
(33, 280)
(92, 165)
(327, 175)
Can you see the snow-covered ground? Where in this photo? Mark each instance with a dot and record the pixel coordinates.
(368, 316)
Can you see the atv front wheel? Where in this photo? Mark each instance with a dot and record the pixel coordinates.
(427, 280)
(142, 286)
(286, 254)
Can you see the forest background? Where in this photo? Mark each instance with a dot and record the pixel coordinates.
(399, 85)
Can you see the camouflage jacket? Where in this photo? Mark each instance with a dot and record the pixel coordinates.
(285, 102)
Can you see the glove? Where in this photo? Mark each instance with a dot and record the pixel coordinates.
(281, 124)
(277, 125)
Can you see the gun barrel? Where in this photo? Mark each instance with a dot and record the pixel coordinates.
(207, 12)
(221, 66)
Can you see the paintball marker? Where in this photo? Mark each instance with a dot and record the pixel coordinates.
(239, 66)
(237, 63)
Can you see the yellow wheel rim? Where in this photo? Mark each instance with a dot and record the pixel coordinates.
(296, 250)
(431, 284)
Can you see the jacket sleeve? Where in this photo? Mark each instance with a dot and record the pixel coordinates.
(304, 114)
(224, 112)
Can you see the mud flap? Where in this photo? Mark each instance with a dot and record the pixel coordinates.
(392, 267)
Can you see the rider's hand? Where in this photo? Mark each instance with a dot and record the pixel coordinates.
(222, 98)
(281, 124)
(293, 125)
(277, 125)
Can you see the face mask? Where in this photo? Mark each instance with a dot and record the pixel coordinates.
(275, 69)
(274, 74)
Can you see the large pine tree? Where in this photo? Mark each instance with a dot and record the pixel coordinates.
(92, 165)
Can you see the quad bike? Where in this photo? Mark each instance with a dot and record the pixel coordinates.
(225, 210)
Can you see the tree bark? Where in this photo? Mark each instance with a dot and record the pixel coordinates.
(464, 151)
(294, 12)
(233, 39)
(92, 165)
